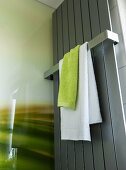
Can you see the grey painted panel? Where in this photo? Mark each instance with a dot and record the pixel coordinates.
(79, 160)
(71, 155)
(100, 153)
(96, 129)
(78, 22)
(125, 109)
(120, 52)
(116, 24)
(71, 23)
(64, 146)
(88, 156)
(94, 18)
(115, 100)
(106, 126)
(115, 105)
(56, 126)
(104, 16)
(86, 20)
(59, 32)
(97, 147)
(54, 24)
(112, 3)
(56, 110)
(122, 75)
(64, 161)
(65, 27)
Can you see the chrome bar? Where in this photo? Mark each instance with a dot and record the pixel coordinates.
(106, 35)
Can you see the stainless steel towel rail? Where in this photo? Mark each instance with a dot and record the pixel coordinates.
(106, 35)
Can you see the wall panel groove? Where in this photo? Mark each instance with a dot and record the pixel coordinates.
(75, 22)
(57, 143)
(72, 35)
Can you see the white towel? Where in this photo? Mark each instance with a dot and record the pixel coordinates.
(75, 124)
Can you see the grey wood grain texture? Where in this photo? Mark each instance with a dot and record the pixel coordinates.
(104, 15)
(57, 141)
(96, 129)
(71, 33)
(71, 23)
(107, 126)
(57, 144)
(65, 46)
(65, 27)
(125, 109)
(79, 159)
(86, 31)
(54, 31)
(59, 32)
(112, 3)
(64, 157)
(78, 21)
(115, 105)
(122, 75)
(86, 20)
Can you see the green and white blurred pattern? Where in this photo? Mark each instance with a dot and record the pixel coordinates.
(32, 135)
(26, 99)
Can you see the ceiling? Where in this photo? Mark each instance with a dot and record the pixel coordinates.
(51, 3)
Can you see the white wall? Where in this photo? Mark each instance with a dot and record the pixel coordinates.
(25, 51)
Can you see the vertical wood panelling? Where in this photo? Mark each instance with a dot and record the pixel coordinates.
(86, 20)
(107, 128)
(56, 109)
(61, 52)
(75, 22)
(107, 135)
(94, 18)
(59, 33)
(65, 27)
(54, 27)
(88, 156)
(78, 22)
(65, 49)
(113, 90)
(79, 40)
(115, 105)
(104, 15)
(71, 23)
(71, 26)
(96, 129)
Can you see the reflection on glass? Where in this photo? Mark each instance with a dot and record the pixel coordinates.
(8, 155)
(26, 137)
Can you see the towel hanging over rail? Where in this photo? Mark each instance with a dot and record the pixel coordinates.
(75, 124)
(106, 35)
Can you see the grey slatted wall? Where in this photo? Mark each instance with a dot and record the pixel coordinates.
(75, 22)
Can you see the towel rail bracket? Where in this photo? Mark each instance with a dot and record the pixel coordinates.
(106, 35)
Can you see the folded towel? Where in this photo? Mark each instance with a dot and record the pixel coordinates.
(75, 124)
(69, 79)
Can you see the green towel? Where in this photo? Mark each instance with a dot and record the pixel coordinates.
(69, 79)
